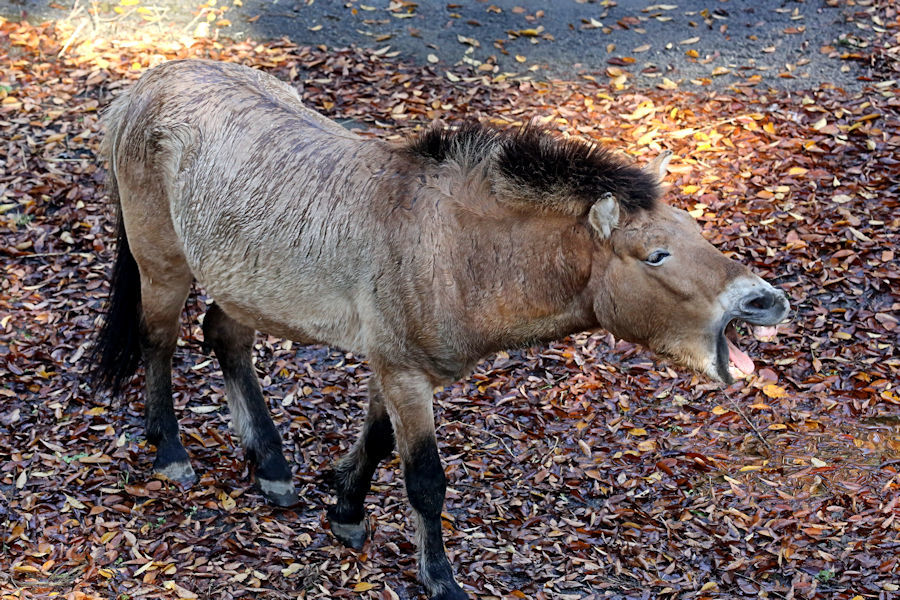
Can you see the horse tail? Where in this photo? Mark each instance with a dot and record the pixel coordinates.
(117, 348)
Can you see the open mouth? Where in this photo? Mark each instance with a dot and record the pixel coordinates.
(734, 363)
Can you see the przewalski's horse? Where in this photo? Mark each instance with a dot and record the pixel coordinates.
(424, 256)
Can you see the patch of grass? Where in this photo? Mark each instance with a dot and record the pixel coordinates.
(70, 459)
(825, 575)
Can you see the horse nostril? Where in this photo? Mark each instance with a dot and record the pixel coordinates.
(757, 303)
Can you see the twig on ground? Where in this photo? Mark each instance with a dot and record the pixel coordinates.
(749, 422)
(748, 578)
(481, 430)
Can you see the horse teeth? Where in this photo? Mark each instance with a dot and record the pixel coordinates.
(735, 372)
(765, 333)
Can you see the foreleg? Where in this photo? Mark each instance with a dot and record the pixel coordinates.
(408, 399)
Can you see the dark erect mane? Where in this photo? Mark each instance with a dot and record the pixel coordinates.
(532, 165)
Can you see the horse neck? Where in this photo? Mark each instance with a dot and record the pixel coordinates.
(518, 278)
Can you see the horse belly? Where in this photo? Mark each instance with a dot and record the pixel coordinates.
(304, 317)
(287, 304)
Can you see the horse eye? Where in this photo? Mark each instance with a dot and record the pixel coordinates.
(657, 257)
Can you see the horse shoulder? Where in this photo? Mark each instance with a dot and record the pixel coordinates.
(516, 277)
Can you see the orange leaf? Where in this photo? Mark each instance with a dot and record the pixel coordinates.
(774, 391)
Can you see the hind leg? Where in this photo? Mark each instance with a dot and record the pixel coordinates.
(161, 303)
(232, 343)
(165, 283)
(143, 167)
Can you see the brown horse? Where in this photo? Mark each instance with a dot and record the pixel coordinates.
(425, 256)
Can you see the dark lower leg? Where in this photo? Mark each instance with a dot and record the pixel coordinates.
(232, 344)
(172, 459)
(258, 434)
(353, 473)
(426, 486)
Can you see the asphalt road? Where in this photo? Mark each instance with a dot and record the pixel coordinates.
(692, 43)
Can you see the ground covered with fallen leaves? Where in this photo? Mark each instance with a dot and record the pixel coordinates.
(578, 470)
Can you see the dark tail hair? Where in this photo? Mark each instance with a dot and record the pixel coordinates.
(117, 349)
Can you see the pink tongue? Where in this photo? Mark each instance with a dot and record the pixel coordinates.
(739, 358)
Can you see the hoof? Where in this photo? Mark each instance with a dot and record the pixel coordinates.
(352, 535)
(279, 493)
(437, 578)
(450, 593)
(181, 473)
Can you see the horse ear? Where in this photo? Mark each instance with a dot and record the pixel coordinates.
(604, 215)
(657, 166)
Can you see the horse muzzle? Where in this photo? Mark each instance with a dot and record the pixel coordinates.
(763, 307)
(756, 304)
